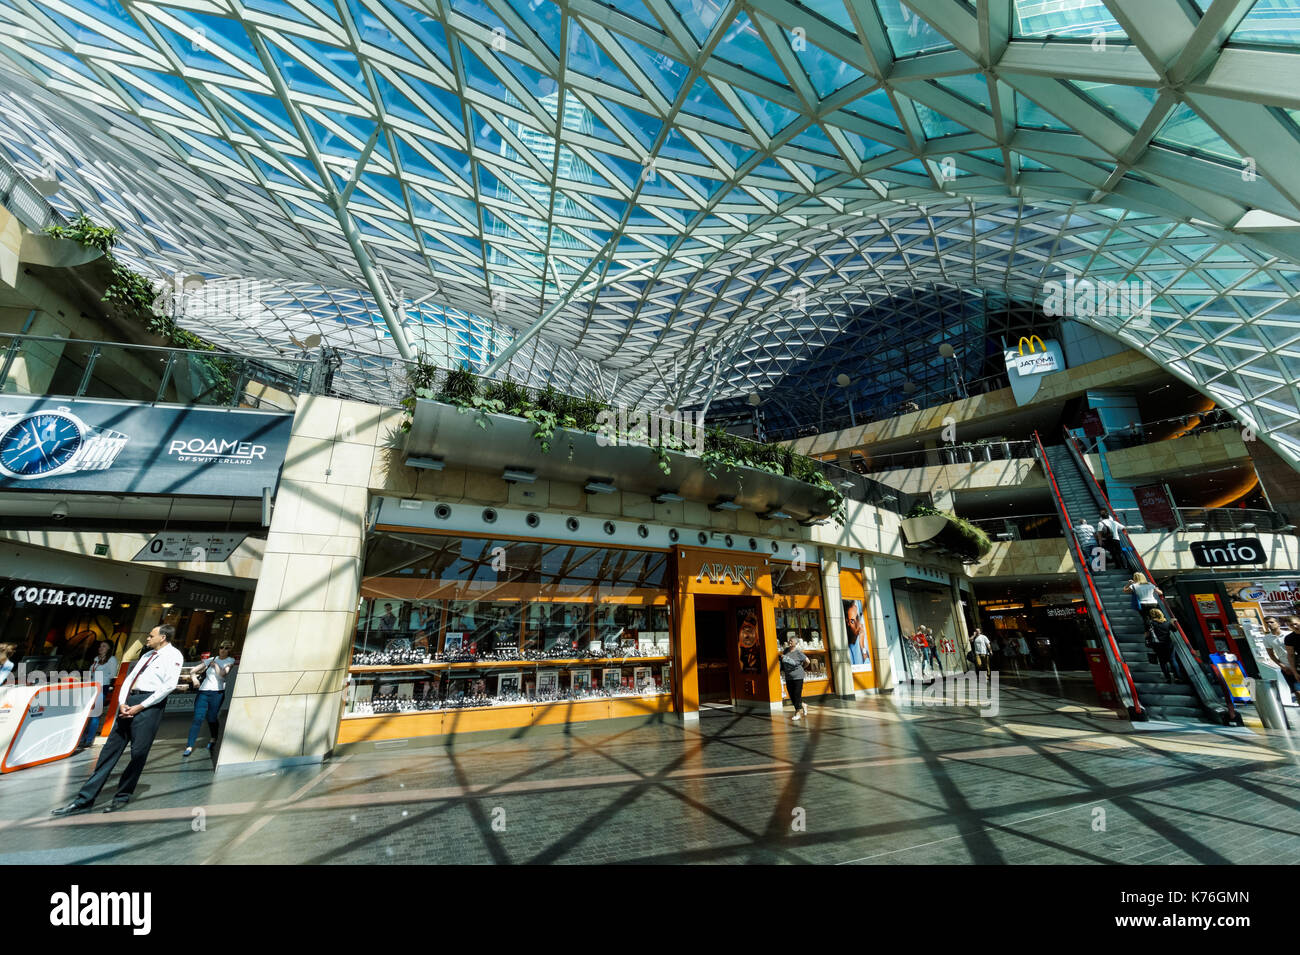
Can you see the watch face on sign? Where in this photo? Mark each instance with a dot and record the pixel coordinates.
(38, 445)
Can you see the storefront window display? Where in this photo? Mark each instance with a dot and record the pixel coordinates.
(928, 627)
(454, 623)
(797, 604)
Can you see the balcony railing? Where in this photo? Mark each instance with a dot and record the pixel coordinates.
(1020, 527)
(1220, 519)
(22, 199)
(1194, 520)
(71, 368)
(973, 453)
(1152, 432)
(897, 405)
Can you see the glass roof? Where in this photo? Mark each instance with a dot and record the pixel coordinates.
(682, 197)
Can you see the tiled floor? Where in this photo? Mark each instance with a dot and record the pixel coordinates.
(1046, 780)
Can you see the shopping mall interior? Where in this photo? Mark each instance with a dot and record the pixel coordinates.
(542, 398)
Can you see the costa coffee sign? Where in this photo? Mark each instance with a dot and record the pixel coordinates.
(720, 573)
(56, 597)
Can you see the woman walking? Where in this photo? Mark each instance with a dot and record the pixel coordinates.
(211, 691)
(792, 661)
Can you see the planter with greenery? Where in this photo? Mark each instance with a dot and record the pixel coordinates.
(551, 412)
(133, 298)
(925, 523)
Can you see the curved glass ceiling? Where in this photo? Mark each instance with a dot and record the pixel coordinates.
(691, 194)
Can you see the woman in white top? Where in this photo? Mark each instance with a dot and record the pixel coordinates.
(214, 671)
(103, 670)
(1145, 593)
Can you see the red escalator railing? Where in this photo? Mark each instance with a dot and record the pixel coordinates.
(1220, 683)
(1086, 570)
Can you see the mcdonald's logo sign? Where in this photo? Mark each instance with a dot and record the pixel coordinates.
(1028, 362)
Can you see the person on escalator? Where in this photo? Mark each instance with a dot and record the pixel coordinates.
(1087, 535)
(1160, 640)
(1109, 536)
(1144, 595)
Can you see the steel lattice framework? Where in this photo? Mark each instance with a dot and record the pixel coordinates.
(689, 194)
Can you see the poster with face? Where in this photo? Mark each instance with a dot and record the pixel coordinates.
(747, 638)
(856, 628)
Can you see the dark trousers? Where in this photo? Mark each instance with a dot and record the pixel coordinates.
(138, 732)
(1115, 554)
(795, 689)
(92, 728)
(206, 707)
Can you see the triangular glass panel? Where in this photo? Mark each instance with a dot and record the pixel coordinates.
(1186, 131)
(1032, 116)
(876, 107)
(1075, 20)
(1128, 105)
(667, 74)
(703, 102)
(771, 116)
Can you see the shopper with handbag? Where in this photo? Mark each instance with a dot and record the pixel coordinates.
(211, 691)
(792, 662)
(1160, 640)
(1145, 593)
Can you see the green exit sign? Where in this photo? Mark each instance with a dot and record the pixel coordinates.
(101, 550)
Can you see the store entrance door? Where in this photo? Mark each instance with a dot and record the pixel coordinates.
(714, 667)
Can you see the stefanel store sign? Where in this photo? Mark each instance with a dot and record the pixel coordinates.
(66, 444)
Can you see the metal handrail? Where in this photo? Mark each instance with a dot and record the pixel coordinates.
(1184, 646)
(245, 370)
(1115, 660)
(883, 411)
(997, 451)
(24, 200)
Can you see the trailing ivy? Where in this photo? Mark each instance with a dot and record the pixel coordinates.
(549, 410)
(979, 541)
(134, 298)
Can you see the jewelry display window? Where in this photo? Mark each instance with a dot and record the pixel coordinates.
(461, 622)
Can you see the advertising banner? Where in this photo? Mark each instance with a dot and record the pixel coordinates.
(1258, 600)
(859, 655)
(65, 444)
(1155, 507)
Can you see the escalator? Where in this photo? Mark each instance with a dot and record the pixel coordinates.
(1139, 682)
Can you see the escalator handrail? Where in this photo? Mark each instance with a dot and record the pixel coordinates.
(1086, 571)
(1183, 646)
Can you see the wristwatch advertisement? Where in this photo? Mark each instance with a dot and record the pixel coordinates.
(43, 444)
(73, 444)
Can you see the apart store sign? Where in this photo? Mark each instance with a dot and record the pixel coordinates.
(103, 446)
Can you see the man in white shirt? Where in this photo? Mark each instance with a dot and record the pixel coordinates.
(983, 652)
(140, 710)
(1108, 533)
